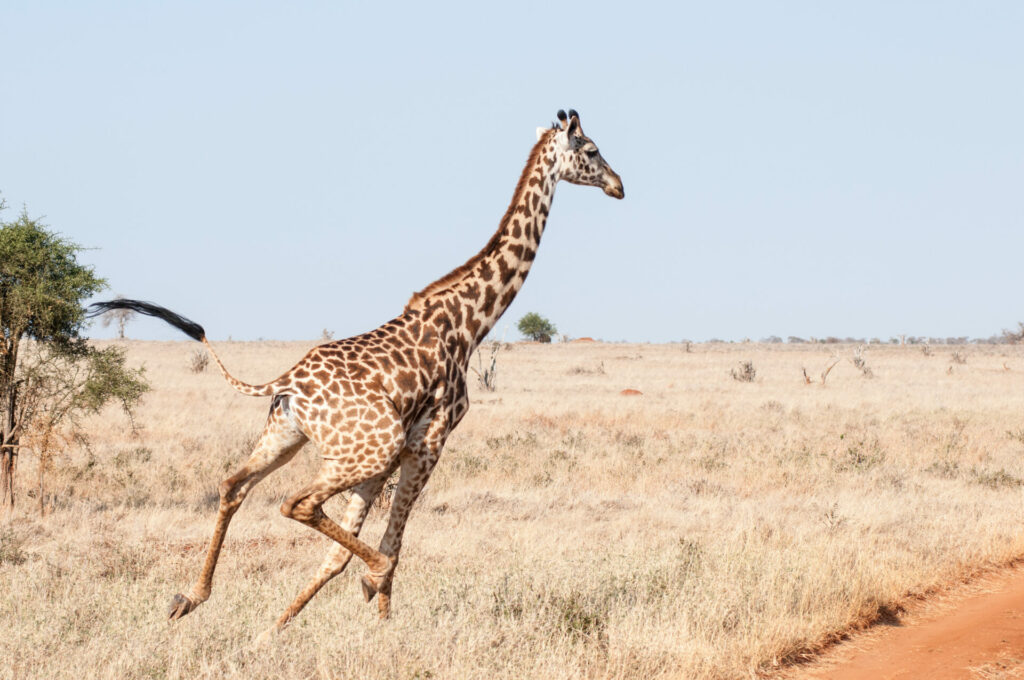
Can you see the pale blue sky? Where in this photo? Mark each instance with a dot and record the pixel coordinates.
(273, 169)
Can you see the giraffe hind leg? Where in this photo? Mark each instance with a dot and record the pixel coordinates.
(278, 444)
(338, 473)
(338, 558)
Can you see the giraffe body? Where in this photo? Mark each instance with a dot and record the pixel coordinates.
(388, 399)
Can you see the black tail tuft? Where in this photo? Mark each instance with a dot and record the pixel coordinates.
(191, 328)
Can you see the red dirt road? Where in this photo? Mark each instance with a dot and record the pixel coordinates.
(978, 634)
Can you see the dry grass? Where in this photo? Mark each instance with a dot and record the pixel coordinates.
(709, 528)
(1006, 668)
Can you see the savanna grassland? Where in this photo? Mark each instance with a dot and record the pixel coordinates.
(707, 528)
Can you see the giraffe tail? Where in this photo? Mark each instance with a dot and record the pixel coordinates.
(191, 329)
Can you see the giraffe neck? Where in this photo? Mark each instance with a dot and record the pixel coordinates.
(474, 296)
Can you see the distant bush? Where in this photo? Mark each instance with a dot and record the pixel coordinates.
(198, 361)
(536, 327)
(861, 364)
(745, 372)
(1013, 337)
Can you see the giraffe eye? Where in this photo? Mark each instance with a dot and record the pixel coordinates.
(592, 152)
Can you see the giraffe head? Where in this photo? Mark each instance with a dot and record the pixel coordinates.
(578, 160)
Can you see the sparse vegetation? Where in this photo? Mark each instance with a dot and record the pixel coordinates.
(198, 360)
(584, 370)
(745, 372)
(861, 364)
(703, 531)
(824, 373)
(487, 376)
(828, 369)
(11, 544)
(1016, 336)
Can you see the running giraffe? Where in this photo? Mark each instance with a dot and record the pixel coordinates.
(388, 399)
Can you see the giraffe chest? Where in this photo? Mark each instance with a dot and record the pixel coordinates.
(442, 393)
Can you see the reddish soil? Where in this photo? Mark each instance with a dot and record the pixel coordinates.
(974, 632)
(584, 340)
(631, 393)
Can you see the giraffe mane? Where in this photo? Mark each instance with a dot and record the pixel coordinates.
(457, 274)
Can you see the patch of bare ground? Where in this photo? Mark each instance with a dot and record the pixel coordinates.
(971, 630)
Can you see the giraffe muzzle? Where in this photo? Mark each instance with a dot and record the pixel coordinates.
(614, 189)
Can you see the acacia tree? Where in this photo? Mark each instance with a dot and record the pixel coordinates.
(536, 327)
(118, 317)
(49, 375)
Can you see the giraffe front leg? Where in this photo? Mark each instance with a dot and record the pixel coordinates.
(416, 469)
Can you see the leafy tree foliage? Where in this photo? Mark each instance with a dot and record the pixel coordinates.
(536, 327)
(50, 377)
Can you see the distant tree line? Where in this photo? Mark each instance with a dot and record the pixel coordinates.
(1007, 337)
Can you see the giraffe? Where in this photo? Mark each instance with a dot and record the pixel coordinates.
(388, 399)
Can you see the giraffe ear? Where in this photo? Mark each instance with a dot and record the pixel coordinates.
(574, 125)
(540, 132)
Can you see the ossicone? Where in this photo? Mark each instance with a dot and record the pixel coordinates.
(570, 121)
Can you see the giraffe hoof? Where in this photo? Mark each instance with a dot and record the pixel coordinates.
(369, 588)
(266, 637)
(180, 605)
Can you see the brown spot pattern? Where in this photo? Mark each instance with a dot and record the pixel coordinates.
(388, 399)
